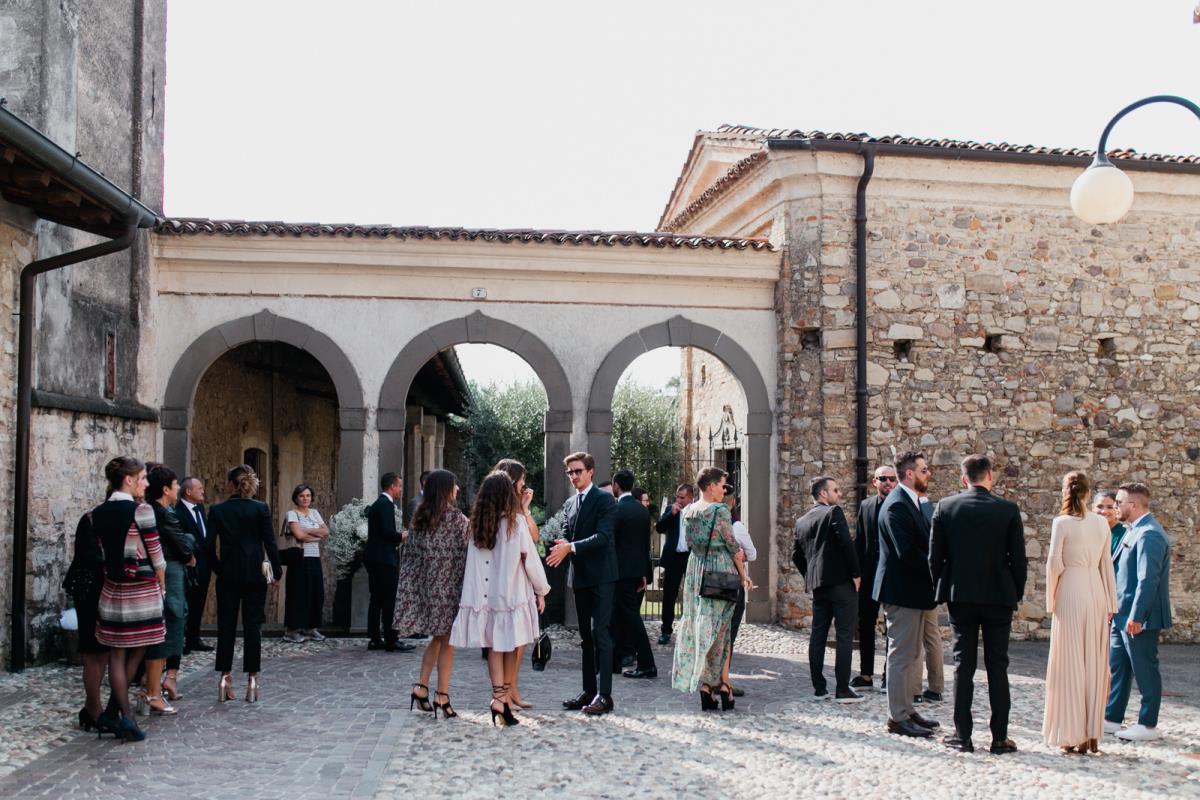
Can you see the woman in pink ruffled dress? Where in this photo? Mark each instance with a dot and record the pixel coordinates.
(504, 587)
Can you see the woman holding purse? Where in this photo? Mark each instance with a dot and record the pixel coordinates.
(704, 644)
(244, 557)
(131, 602)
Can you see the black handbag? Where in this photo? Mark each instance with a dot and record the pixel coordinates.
(85, 577)
(718, 585)
(540, 653)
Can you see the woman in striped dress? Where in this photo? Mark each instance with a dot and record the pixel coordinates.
(131, 602)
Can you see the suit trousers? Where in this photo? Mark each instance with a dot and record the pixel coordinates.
(629, 632)
(739, 611)
(251, 600)
(197, 597)
(382, 580)
(868, 614)
(837, 604)
(594, 606)
(1133, 658)
(966, 621)
(904, 637)
(930, 657)
(674, 568)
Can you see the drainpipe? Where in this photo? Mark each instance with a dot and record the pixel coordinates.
(28, 307)
(860, 320)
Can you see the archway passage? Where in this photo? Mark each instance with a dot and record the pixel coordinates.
(178, 402)
(481, 329)
(756, 459)
(272, 406)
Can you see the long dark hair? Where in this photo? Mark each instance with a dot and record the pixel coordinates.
(435, 499)
(513, 468)
(496, 502)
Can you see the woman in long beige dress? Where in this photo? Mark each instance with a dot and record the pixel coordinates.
(1081, 597)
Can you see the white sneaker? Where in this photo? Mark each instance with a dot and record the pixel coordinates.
(1111, 727)
(315, 635)
(1139, 733)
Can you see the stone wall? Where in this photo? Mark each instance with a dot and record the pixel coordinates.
(707, 389)
(68, 451)
(1003, 327)
(290, 416)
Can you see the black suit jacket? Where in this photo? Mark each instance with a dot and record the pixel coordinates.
(188, 523)
(825, 549)
(383, 539)
(866, 536)
(590, 529)
(631, 537)
(902, 576)
(239, 537)
(668, 523)
(977, 550)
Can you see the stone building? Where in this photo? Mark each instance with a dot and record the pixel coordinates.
(712, 414)
(996, 322)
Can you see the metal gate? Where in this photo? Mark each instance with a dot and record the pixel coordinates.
(660, 475)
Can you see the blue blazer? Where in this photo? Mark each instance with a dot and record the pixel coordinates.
(1144, 576)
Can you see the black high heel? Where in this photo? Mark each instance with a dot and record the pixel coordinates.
(85, 720)
(422, 703)
(707, 701)
(447, 711)
(107, 723)
(726, 695)
(128, 731)
(505, 713)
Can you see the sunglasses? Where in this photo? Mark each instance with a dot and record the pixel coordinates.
(886, 479)
(576, 471)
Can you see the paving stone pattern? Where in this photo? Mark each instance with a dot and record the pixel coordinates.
(334, 722)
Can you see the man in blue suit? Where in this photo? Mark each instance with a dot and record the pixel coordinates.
(1143, 566)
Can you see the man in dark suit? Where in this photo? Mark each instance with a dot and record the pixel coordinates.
(825, 553)
(904, 588)
(674, 556)
(866, 547)
(631, 539)
(381, 557)
(190, 511)
(977, 557)
(411, 506)
(592, 574)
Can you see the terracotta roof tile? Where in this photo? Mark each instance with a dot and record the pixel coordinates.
(191, 227)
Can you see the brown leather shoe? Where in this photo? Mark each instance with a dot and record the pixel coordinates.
(601, 704)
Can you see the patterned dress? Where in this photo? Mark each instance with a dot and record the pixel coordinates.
(703, 643)
(131, 606)
(432, 563)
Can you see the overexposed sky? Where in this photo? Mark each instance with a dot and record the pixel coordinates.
(489, 363)
(574, 115)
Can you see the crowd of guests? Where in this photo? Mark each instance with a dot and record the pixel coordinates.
(144, 556)
(1107, 579)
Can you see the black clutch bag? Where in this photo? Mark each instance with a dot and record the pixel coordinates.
(540, 653)
(718, 585)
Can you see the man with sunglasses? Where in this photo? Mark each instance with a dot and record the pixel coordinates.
(866, 544)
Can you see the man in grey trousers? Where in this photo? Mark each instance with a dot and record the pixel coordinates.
(904, 587)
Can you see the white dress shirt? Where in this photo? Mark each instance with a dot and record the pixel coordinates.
(742, 534)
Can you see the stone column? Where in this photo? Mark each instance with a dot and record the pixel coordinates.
(439, 447)
(429, 460)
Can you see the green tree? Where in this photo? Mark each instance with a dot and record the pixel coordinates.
(505, 422)
(646, 438)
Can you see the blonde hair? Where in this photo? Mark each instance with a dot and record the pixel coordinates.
(244, 480)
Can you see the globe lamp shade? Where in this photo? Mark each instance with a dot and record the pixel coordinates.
(1102, 194)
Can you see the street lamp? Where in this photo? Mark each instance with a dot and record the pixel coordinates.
(1103, 193)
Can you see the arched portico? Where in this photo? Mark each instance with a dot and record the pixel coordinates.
(265, 326)
(682, 332)
(478, 328)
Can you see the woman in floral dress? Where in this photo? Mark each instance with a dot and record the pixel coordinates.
(702, 649)
(431, 579)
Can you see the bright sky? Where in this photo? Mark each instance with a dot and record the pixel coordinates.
(487, 363)
(579, 115)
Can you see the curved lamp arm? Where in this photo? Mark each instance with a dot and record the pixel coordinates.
(1102, 148)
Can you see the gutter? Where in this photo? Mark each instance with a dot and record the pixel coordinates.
(71, 170)
(861, 395)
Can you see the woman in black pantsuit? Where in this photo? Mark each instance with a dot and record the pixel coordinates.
(240, 540)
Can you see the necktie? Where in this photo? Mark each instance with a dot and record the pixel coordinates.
(199, 522)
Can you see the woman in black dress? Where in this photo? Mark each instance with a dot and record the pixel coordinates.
(243, 554)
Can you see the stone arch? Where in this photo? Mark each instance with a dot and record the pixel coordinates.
(176, 417)
(682, 332)
(481, 329)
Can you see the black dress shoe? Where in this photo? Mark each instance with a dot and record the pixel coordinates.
(201, 647)
(958, 743)
(398, 647)
(664, 638)
(641, 673)
(375, 644)
(908, 728)
(918, 699)
(931, 696)
(923, 722)
(859, 682)
(1007, 746)
(601, 704)
(577, 703)
(626, 662)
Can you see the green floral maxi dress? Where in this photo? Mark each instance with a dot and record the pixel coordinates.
(703, 640)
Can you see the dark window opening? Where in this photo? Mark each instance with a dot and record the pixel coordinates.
(902, 349)
(1107, 347)
(110, 365)
(810, 339)
(991, 343)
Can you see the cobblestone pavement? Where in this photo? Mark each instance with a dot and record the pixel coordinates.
(334, 722)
